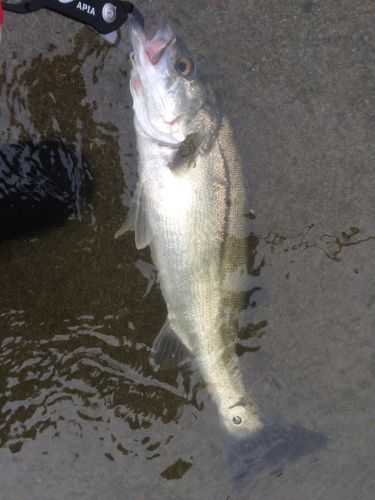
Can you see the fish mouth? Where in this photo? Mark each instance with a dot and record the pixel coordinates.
(171, 121)
(149, 47)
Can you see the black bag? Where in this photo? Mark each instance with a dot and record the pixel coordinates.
(40, 184)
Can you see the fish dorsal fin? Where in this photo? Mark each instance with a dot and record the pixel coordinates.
(168, 350)
(137, 220)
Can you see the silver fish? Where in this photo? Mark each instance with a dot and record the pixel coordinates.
(190, 208)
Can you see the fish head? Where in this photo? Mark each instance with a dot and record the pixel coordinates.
(166, 88)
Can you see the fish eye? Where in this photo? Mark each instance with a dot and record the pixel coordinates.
(132, 56)
(237, 420)
(184, 66)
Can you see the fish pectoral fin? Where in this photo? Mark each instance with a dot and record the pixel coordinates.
(168, 350)
(137, 220)
(186, 156)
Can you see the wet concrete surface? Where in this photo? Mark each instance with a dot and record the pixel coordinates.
(82, 413)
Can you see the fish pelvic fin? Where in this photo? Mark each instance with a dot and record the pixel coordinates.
(137, 220)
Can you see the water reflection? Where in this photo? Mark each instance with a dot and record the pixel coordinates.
(83, 373)
(333, 246)
(82, 363)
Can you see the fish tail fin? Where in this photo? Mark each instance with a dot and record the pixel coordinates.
(270, 448)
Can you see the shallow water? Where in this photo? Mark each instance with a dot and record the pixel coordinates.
(83, 415)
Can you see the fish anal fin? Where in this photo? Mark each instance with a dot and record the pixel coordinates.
(168, 350)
